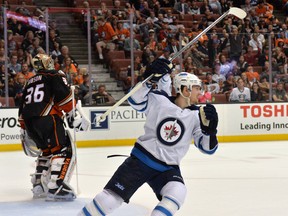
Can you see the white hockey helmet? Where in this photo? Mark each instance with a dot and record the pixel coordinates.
(43, 62)
(185, 79)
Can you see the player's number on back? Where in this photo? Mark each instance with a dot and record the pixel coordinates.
(35, 94)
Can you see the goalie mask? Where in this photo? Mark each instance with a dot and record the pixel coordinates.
(185, 79)
(43, 62)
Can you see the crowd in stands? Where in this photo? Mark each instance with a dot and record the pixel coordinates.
(25, 42)
(233, 55)
(232, 59)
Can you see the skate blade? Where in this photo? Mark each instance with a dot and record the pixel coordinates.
(40, 196)
(57, 198)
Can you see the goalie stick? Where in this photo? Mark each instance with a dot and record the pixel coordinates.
(241, 14)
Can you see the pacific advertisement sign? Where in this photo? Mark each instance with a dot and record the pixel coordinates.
(237, 122)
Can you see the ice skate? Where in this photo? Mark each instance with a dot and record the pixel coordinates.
(61, 194)
(38, 192)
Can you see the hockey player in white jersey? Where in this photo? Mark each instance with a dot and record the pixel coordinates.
(171, 125)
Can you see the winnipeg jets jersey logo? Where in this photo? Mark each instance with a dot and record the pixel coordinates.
(170, 131)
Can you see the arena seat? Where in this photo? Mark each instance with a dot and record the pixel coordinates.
(219, 98)
(118, 67)
(11, 102)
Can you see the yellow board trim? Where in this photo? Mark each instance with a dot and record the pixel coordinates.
(130, 142)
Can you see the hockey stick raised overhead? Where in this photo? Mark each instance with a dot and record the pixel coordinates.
(241, 14)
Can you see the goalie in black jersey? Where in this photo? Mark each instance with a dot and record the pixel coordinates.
(47, 98)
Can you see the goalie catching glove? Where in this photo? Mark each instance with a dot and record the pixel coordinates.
(158, 68)
(208, 119)
(80, 122)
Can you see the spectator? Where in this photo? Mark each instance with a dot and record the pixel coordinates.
(24, 57)
(145, 10)
(3, 56)
(194, 9)
(264, 85)
(57, 66)
(203, 23)
(263, 9)
(181, 8)
(240, 93)
(17, 28)
(25, 71)
(152, 18)
(251, 56)
(12, 45)
(53, 38)
(18, 87)
(57, 50)
(226, 67)
(260, 36)
(102, 97)
(246, 31)
(236, 47)
(28, 40)
(64, 54)
(14, 65)
(212, 86)
(103, 11)
(33, 48)
(206, 8)
(168, 17)
(217, 74)
(181, 36)
(146, 55)
(188, 65)
(122, 34)
(173, 45)
(245, 80)
(206, 96)
(216, 6)
(229, 84)
(138, 73)
(151, 41)
(214, 49)
(255, 43)
(69, 68)
(266, 72)
(84, 89)
(127, 48)
(242, 64)
(107, 36)
(79, 78)
(281, 60)
(53, 26)
(117, 10)
(252, 75)
(279, 94)
(264, 56)
(256, 93)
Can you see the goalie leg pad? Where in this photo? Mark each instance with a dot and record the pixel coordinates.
(62, 167)
(39, 178)
(173, 196)
(104, 203)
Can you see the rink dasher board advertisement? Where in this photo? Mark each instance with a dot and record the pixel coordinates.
(237, 123)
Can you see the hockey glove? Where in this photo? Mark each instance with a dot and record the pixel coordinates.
(159, 68)
(208, 119)
(80, 122)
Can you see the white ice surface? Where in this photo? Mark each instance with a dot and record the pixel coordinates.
(240, 179)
